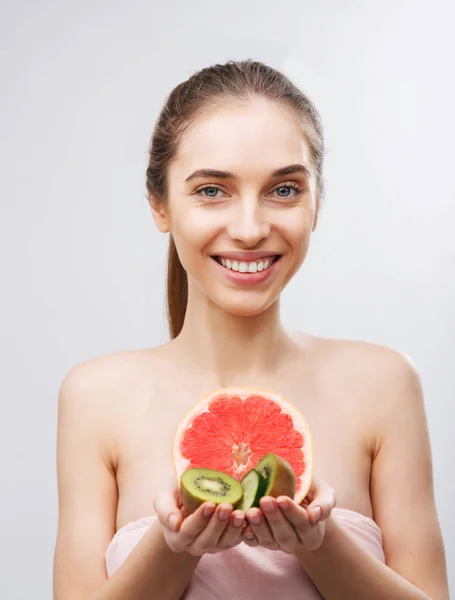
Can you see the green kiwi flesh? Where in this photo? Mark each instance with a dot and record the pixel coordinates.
(254, 486)
(279, 476)
(207, 485)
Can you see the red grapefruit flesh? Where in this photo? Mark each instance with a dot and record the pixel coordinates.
(232, 428)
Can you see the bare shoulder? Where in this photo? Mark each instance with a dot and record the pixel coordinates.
(102, 390)
(112, 369)
(376, 366)
(388, 379)
(376, 383)
(108, 375)
(374, 358)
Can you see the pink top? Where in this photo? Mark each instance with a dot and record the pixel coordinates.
(247, 573)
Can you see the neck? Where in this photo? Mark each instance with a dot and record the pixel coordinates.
(232, 349)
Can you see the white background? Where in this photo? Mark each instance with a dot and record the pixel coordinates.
(83, 267)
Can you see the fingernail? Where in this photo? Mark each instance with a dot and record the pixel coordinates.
(208, 510)
(283, 504)
(268, 507)
(238, 521)
(316, 513)
(255, 519)
(224, 514)
(172, 520)
(249, 535)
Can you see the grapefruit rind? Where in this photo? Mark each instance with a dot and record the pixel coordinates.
(243, 392)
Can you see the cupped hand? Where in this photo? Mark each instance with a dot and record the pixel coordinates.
(210, 529)
(281, 524)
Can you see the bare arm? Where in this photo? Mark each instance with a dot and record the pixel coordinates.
(152, 571)
(403, 502)
(402, 485)
(88, 503)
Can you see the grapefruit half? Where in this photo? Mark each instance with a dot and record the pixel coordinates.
(232, 428)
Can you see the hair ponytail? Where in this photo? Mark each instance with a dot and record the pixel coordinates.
(177, 290)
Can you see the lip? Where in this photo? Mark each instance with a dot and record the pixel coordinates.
(248, 278)
(248, 256)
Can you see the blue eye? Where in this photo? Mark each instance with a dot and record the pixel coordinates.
(210, 189)
(288, 187)
(284, 187)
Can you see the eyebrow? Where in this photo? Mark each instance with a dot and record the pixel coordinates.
(289, 170)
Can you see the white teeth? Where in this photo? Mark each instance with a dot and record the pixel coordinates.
(246, 267)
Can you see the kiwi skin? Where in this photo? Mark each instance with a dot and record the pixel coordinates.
(191, 500)
(279, 474)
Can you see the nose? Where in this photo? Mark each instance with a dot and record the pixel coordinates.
(248, 224)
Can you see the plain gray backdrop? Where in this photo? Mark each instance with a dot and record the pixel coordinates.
(83, 267)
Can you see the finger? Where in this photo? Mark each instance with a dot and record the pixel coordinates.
(322, 504)
(261, 529)
(232, 535)
(209, 537)
(167, 510)
(282, 531)
(309, 495)
(249, 538)
(296, 515)
(193, 525)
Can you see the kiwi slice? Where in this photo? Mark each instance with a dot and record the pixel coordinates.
(207, 485)
(254, 486)
(279, 476)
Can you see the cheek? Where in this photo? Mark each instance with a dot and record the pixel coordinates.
(191, 233)
(296, 229)
(302, 238)
(297, 234)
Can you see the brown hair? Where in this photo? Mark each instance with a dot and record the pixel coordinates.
(236, 80)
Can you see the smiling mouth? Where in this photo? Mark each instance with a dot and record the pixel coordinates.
(254, 266)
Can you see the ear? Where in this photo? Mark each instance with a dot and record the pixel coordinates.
(160, 215)
(315, 221)
(316, 217)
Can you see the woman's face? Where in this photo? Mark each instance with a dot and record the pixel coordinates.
(243, 229)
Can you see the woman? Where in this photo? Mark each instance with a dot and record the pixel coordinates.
(235, 173)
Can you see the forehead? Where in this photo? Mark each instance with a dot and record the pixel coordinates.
(248, 138)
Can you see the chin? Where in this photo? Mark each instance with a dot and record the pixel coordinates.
(244, 307)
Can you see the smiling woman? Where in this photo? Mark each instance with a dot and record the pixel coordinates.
(235, 179)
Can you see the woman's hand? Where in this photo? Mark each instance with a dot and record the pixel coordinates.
(208, 530)
(290, 526)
